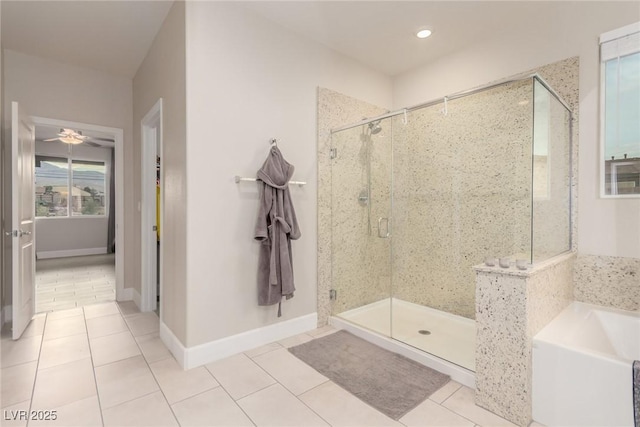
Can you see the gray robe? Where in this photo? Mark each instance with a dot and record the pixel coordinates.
(276, 227)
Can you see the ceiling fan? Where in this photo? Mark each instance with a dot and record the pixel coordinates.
(70, 136)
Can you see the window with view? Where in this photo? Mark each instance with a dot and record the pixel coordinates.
(67, 187)
(620, 103)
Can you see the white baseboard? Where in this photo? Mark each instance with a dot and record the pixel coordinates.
(173, 344)
(125, 294)
(192, 357)
(70, 252)
(137, 299)
(7, 314)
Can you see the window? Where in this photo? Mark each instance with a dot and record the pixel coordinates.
(620, 116)
(52, 186)
(88, 188)
(66, 187)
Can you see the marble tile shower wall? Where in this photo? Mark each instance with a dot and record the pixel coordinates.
(334, 110)
(462, 191)
(608, 281)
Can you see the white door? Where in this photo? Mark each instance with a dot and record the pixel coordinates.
(22, 219)
(150, 223)
(151, 253)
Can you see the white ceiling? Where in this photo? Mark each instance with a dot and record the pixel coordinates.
(113, 36)
(381, 34)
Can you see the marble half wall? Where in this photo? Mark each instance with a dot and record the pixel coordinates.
(608, 281)
(335, 110)
(512, 306)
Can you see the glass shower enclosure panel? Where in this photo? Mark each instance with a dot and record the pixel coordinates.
(551, 175)
(361, 168)
(461, 193)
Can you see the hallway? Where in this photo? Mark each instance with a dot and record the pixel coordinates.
(64, 283)
(104, 364)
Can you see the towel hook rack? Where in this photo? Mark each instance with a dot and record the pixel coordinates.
(238, 179)
(273, 142)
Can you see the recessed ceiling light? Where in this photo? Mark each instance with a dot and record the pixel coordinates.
(423, 34)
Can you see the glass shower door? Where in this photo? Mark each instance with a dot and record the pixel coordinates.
(361, 225)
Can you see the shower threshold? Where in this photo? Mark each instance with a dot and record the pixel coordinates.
(449, 345)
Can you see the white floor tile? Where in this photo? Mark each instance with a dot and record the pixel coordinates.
(21, 351)
(112, 348)
(64, 350)
(128, 308)
(239, 375)
(81, 413)
(143, 323)
(263, 349)
(211, 408)
(276, 406)
(178, 384)
(106, 325)
(36, 327)
(295, 340)
(430, 414)
(153, 348)
(64, 313)
(151, 410)
(64, 327)
(462, 402)
(55, 306)
(290, 371)
(445, 391)
(320, 332)
(63, 384)
(98, 310)
(340, 408)
(125, 380)
(16, 383)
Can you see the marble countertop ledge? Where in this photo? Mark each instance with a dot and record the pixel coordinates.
(530, 271)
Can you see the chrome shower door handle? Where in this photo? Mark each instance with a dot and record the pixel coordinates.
(387, 234)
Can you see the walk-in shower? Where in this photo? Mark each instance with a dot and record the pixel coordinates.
(447, 184)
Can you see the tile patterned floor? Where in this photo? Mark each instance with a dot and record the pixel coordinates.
(65, 283)
(104, 365)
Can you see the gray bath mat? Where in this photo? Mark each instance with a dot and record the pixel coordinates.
(389, 382)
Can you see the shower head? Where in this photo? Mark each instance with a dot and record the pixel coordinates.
(375, 127)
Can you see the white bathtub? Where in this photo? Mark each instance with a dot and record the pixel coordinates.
(582, 367)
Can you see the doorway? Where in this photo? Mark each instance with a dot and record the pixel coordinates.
(79, 212)
(152, 209)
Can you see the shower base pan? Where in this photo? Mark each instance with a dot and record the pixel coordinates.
(434, 338)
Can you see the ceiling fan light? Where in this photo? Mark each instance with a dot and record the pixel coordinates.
(71, 140)
(423, 34)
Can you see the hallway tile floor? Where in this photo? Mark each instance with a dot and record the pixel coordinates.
(104, 365)
(64, 283)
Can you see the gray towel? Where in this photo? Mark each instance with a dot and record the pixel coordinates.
(636, 393)
(276, 227)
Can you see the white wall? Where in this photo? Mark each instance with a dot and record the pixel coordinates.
(75, 233)
(2, 192)
(605, 226)
(54, 90)
(162, 75)
(249, 80)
